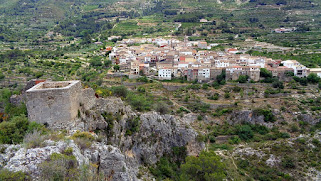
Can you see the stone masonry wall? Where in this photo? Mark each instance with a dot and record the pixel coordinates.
(54, 106)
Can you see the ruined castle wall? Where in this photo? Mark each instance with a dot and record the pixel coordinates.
(54, 106)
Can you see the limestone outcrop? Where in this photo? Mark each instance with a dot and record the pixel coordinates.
(129, 139)
(110, 159)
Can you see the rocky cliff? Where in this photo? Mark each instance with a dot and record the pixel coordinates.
(127, 140)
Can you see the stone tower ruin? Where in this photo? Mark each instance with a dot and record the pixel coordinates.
(54, 103)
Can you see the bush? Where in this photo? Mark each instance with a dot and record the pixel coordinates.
(234, 140)
(242, 78)
(34, 139)
(83, 139)
(109, 118)
(139, 102)
(59, 167)
(313, 78)
(2, 76)
(214, 97)
(7, 175)
(237, 89)
(278, 84)
(161, 107)
(141, 89)
(227, 95)
(207, 166)
(245, 132)
(265, 73)
(142, 79)
(205, 86)
(120, 91)
(268, 115)
(163, 169)
(303, 81)
(288, 162)
(13, 131)
(243, 163)
(132, 126)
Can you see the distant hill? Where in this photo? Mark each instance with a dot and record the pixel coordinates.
(33, 18)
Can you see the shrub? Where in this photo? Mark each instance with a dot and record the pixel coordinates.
(199, 117)
(303, 81)
(268, 115)
(34, 139)
(2, 76)
(294, 128)
(260, 129)
(220, 111)
(83, 135)
(164, 168)
(83, 139)
(234, 140)
(132, 126)
(59, 167)
(139, 102)
(13, 176)
(288, 162)
(214, 97)
(13, 131)
(199, 106)
(237, 89)
(141, 89)
(227, 95)
(278, 84)
(120, 91)
(109, 118)
(265, 73)
(284, 135)
(161, 107)
(205, 86)
(212, 138)
(242, 78)
(313, 78)
(243, 163)
(68, 151)
(207, 166)
(142, 79)
(245, 132)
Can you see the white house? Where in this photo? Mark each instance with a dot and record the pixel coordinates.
(234, 68)
(182, 65)
(165, 74)
(299, 70)
(222, 63)
(204, 72)
(290, 63)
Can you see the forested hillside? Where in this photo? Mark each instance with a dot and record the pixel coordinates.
(37, 17)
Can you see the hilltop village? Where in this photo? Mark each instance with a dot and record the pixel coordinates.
(166, 59)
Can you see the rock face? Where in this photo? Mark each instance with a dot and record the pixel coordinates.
(157, 134)
(245, 116)
(111, 161)
(133, 139)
